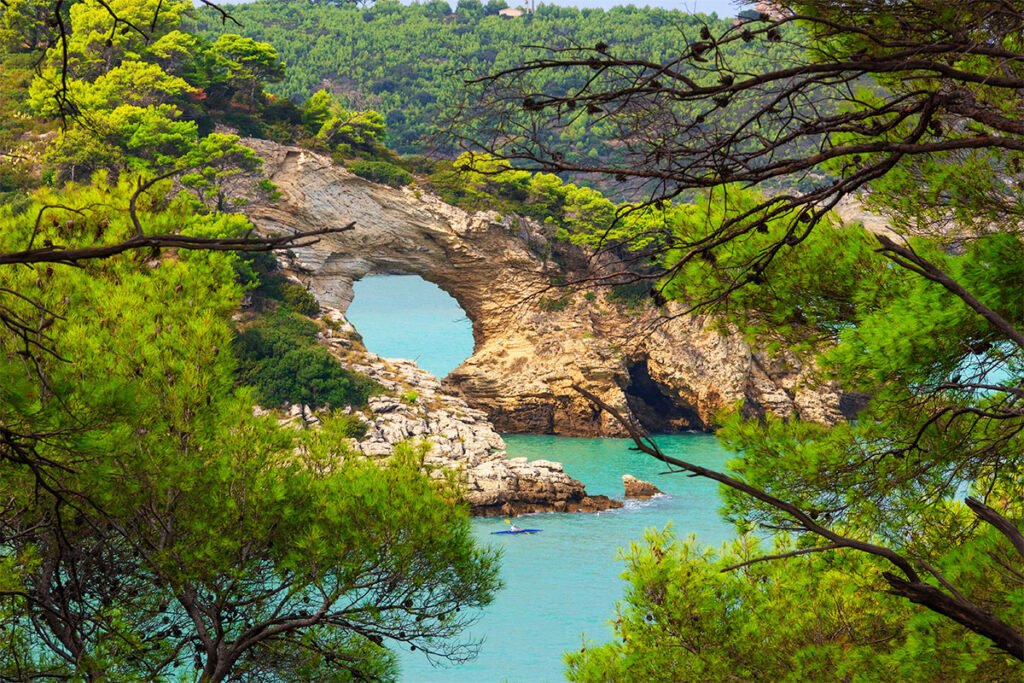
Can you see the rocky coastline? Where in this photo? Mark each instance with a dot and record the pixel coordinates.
(415, 406)
(534, 342)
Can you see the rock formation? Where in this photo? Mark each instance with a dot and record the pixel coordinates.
(638, 488)
(533, 340)
(416, 407)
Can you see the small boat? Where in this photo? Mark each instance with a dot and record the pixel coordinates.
(512, 530)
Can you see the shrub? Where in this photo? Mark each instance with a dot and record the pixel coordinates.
(349, 425)
(382, 172)
(549, 305)
(311, 376)
(299, 299)
(280, 358)
(270, 189)
(632, 294)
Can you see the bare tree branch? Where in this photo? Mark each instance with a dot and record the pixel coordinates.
(1003, 525)
(73, 256)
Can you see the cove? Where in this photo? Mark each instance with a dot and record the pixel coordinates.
(560, 585)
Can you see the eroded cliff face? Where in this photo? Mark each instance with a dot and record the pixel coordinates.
(533, 341)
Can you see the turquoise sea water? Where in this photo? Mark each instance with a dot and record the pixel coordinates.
(560, 585)
(404, 316)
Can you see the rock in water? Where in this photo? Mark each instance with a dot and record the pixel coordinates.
(637, 488)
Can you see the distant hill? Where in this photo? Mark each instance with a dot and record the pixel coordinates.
(410, 61)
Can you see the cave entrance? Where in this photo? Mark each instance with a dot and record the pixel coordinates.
(405, 316)
(656, 408)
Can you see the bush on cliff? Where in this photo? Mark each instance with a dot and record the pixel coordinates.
(279, 357)
(382, 172)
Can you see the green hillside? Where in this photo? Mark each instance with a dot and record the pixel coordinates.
(410, 62)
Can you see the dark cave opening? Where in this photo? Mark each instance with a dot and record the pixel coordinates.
(656, 408)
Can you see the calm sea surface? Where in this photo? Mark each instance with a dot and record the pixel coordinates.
(404, 316)
(561, 584)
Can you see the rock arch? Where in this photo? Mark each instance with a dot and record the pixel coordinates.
(675, 375)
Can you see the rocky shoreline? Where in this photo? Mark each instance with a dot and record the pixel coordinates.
(534, 341)
(417, 407)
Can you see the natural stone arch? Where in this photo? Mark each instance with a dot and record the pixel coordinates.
(526, 360)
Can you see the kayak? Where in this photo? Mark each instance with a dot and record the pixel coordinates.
(518, 531)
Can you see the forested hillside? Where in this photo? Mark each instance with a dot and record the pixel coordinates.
(153, 526)
(410, 62)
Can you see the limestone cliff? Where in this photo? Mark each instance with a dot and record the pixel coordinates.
(533, 341)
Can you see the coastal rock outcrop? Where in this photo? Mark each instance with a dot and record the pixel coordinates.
(534, 341)
(416, 407)
(638, 488)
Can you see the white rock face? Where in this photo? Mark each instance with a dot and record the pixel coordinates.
(667, 370)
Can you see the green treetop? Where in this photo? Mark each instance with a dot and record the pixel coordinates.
(156, 529)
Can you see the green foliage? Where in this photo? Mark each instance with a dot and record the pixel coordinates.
(381, 172)
(553, 305)
(348, 426)
(409, 61)
(300, 299)
(686, 617)
(16, 170)
(23, 25)
(278, 356)
(143, 104)
(410, 397)
(340, 130)
(247, 63)
(270, 189)
(894, 476)
(919, 323)
(633, 295)
(478, 181)
(203, 539)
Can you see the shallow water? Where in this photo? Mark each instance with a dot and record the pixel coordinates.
(561, 584)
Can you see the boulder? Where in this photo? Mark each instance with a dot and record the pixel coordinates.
(637, 488)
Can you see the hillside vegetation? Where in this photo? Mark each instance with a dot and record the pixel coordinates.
(410, 62)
